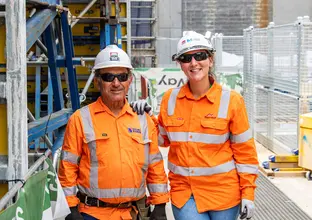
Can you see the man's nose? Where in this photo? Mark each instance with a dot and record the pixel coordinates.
(116, 82)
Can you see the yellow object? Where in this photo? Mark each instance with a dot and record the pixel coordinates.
(290, 169)
(286, 158)
(3, 129)
(283, 165)
(3, 189)
(305, 141)
(2, 48)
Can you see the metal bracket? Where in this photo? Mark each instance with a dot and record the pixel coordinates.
(2, 89)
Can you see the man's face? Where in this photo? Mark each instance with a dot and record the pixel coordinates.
(114, 91)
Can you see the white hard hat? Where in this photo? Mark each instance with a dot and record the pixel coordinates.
(112, 56)
(190, 41)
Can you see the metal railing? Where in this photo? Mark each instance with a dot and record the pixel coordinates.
(229, 60)
(278, 81)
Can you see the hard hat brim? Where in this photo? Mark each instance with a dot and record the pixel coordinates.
(104, 66)
(177, 55)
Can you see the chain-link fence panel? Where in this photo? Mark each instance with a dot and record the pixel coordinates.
(278, 68)
(229, 60)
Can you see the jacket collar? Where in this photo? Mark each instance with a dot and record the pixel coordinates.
(211, 94)
(99, 106)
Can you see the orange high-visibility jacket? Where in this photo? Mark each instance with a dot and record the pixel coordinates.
(112, 158)
(212, 152)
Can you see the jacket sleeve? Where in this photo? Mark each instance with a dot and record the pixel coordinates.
(243, 147)
(163, 139)
(70, 157)
(157, 182)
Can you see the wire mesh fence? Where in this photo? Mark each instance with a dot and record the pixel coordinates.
(278, 81)
(229, 60)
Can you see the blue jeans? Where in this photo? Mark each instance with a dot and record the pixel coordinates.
(189, 211)
(87, 217)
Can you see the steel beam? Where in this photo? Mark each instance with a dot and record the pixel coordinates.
(60, 62)
(55, 72)
(37, 24)
(2, 89)
(49, 123)
(43, 2)
(129, 38)
(71, 71)
(83, 12)
(16, 89)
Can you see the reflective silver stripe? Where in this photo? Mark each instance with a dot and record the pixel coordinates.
(241, 138)
(162, 131)
(113, 193)
(157, 188)
(224, 102)
(201, 171)
(247, 168)
(172, 100)
(145, 136)
(90, 137)
(70, 191)
(161, 140)
(154, 158)
(198, 137)
(94, 171)
(87, 123)
(144, 130)
(70, 157)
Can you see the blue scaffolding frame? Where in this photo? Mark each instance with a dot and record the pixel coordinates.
(42, 24)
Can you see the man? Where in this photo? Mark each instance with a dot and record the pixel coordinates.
(110, 154)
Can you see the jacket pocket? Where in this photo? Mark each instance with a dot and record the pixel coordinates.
(98, 150)
(218, 124)
(140, 140)
(173, 122)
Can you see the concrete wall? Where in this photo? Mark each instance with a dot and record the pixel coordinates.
(169, 31)
(229, 17)
(287, 11)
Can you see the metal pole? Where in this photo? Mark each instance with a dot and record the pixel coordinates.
(82, 96)
(42, 47)
(16, 89)
(129, 27)
(6, 198)
(83, 12)
(45, 137)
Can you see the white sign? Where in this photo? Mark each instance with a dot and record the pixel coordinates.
(162, 79)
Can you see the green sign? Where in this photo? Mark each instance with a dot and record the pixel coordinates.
(41, 198)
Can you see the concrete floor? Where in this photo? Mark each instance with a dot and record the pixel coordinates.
(298, 189)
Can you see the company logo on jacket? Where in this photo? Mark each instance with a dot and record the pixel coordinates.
(210, 115)
(134, 130)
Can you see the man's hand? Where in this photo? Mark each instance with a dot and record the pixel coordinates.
(159, 212)
(74, 214)
(141, 106)
(247, 209)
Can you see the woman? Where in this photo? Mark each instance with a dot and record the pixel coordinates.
(212, 158)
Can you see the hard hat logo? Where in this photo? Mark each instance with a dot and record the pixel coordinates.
(113, 56)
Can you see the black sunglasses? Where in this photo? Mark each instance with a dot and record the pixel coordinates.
(109, 77)
(199, 56)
